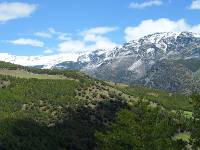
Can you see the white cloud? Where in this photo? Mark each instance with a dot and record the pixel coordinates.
(60, 35)
(98, 37)
(63, 37)
(86, 40)
(30, 42)
(101, 44)
(96, 34)
(145, 4)
(161, 25)
(43, 34)
(52, 30)
(15, 10)
(100, 30)
(71, 46)
(76, 46)
(195, 5)
(48, 51)
(90, 40)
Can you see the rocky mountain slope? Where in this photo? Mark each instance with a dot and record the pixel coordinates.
(161, 60)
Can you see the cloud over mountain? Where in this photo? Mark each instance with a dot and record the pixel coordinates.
(160, 25)
(88, 40)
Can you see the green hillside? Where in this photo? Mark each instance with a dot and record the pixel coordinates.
(169, 100)
(57, 109)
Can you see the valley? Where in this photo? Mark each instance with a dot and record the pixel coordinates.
(148, 87)
(99, 75)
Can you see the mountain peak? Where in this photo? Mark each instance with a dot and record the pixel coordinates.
(160, 35)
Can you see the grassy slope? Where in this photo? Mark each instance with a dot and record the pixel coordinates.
(173, 101)
(169, 100)
(28, 75)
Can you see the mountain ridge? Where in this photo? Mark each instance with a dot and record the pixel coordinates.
(51, 60)
(134, 61)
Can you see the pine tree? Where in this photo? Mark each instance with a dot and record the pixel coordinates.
(195, 133)
(140, 128)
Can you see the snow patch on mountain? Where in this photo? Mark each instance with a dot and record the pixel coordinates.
(150, 50)
(46, 61)
(135, 65)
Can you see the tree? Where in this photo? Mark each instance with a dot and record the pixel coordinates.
(195, 134)
(142, 127)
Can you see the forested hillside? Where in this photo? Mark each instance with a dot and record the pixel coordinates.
(57, 110)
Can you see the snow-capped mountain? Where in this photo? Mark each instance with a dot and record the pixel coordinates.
(149, 48)
(138, 61)
(155, 60)
(46, 62)
(156, 45)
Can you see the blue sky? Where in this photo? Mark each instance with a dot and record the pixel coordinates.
(44, 27)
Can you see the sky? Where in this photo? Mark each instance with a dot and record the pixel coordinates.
(44, 27)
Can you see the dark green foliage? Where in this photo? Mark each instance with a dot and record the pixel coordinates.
(9, 66)
(140, 128)
(76, 131)
(47, 114)
(195, 134)
(173, 101)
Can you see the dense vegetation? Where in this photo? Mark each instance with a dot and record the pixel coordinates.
(195, 134)
(170, 100)
(141, 127)
(81, 113)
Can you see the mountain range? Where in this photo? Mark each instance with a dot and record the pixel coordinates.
(169, 61)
